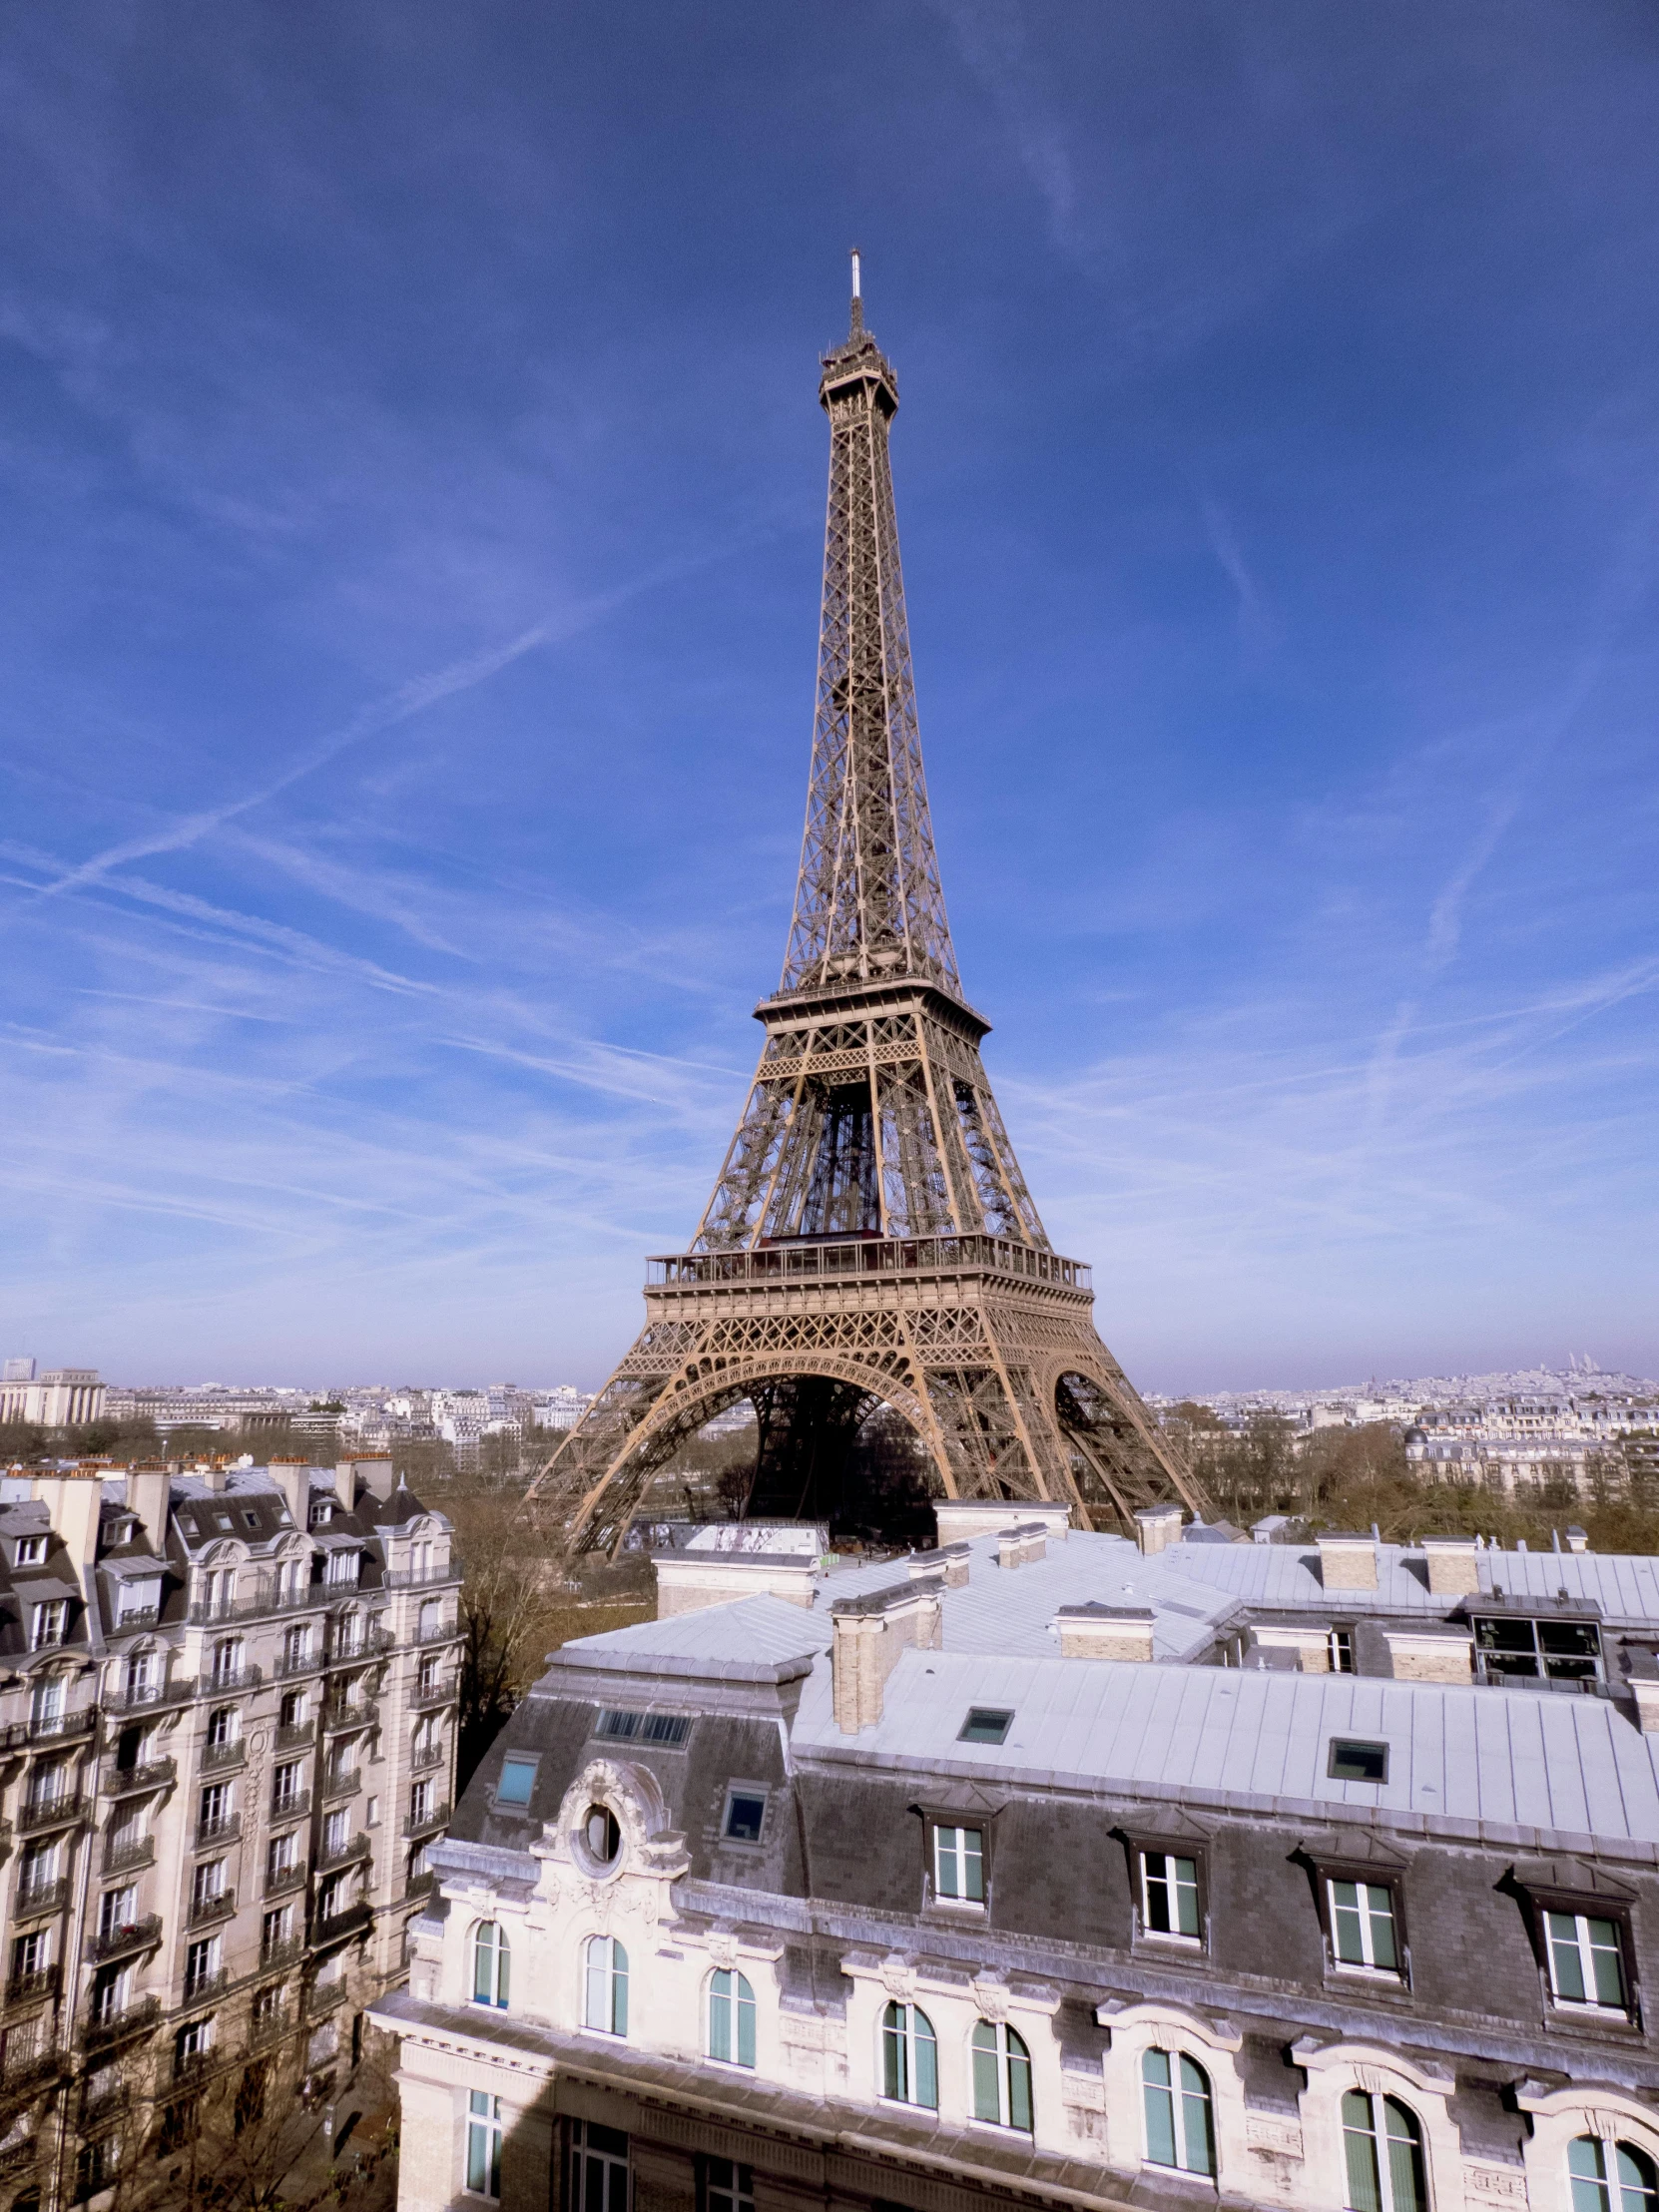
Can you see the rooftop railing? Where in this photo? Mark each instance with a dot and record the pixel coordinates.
(864, 1256)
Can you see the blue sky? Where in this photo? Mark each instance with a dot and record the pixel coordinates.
(413, 502)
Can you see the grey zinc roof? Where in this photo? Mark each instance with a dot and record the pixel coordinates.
(1506, 1759)
(753, 1637)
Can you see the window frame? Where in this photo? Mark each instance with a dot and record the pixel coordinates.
(1146, 1848)
(614, 1976)
(1609, 2187)
(737, 1997)
(485, 2123)
(1179, 2098)
(1557, 1908)
(1364, 1884)
(500, 1953)
(1003, 2036)
(1377, 2102)
(905, 2040)
(735, 1791)
(950, 1821)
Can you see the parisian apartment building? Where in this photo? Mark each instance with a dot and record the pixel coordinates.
(1053, 1867)
(228, 1709)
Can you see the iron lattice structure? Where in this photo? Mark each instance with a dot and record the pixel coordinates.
(870, 1238)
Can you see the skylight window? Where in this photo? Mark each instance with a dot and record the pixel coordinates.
(985, 1724)
(518, 1778)
(1357, 1762)
(644, 1727)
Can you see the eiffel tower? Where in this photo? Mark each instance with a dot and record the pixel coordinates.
(871, 1240)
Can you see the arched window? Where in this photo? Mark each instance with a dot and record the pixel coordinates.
(909, 2058)
(1002, 2077)
(490, 1965)
(1383, 2142)
(1611, 2177)
(1180, 2125)
(605, 1986)
(730, 2018)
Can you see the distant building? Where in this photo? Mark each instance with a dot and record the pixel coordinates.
(18, 1371)
(63, 1397)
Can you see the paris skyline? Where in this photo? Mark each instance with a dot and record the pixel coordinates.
(416, 495)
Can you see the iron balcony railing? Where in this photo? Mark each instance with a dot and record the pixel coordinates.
(219, 1905)
(26, 2069)
(35, 1899)
(359, 1846)
(425, 1755)
(154, 1774)
(201, 1986)
(145, 1697)
(292, 1734)
(49, 1728)
(293, 1663)
(417, 1578)
(439, 1691)
(337, 1718)
(440, 1633)
(280, 1881)
(219, 1828)
(64, 1810)
(220, 1758)
(121, 1853)
(226, 1681)
(867, 1256)
(422, 1824)
(322, 1996)
(283, 1954)
(292, 1807)
(338, 1786)
(266, 1597)
(332, 1927)
(130, 2019)
(129, 1936)
(30, 1986)
(419, 1885)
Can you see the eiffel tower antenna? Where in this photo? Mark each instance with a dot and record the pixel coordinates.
(871, 1240)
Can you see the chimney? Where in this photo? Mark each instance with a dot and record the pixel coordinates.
(1022, 1546)
(150, 1498)
(958, 1518)
(1454, 1565)
(373, 1470)
(294, 1479)
(1348, 1561)
(1158, 1526)
(1577, 1538)
(212, 1473)
(1432, 1654)
(1095, 1631)
(870, 1635)
(951, 1560)
(73, 1503)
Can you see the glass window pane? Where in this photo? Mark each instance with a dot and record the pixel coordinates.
(1019, 2084)
(477, 2158)
(892, 2053)
(926, 2063)
(619, 1989)
(972, 1864)
(1406, 2180)
(988, 2105)
(1381, 1909)
(1160, 2121)
(1186, 1895)
(1606, 1961)
(1586, 2166)
(1566, 1968)
(720, 2017)
(746, 2024)
(1365, 2190)
(1638, 2182)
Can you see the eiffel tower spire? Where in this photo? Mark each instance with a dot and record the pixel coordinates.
(869, 903)
(871, 1240)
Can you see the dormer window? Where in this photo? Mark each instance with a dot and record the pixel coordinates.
(322, 1513)
(30, 1551)
(343, 1566)
(48, 1624)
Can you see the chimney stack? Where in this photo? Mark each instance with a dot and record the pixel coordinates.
(953, 1562)
(1454, 1565)
(150, 1497)
(1158, 1526)
(1577, 1538)
(870, 1635)
(1348, 1561)
(73, 1503)
(1096, 1631)
(1022, 1546)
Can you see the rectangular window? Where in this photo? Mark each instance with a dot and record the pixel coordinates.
(216, 1806)
(669, 1729)
(985, 1724)
(1363, 1926)
(282, 1856)
(598, 2168)
(959, 1864)
(276, 1928)
(117, 1909)
(746, 1810)
(31, 1550)
(1586, 1961)
(336, 1831)
(1169, 1896)
(1357, 1762)
(200, 1966)
(284, 1787)
(518, 1779)
(1341, 1650)
(727, 2186)
(208, 1883)
(48, 1624)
